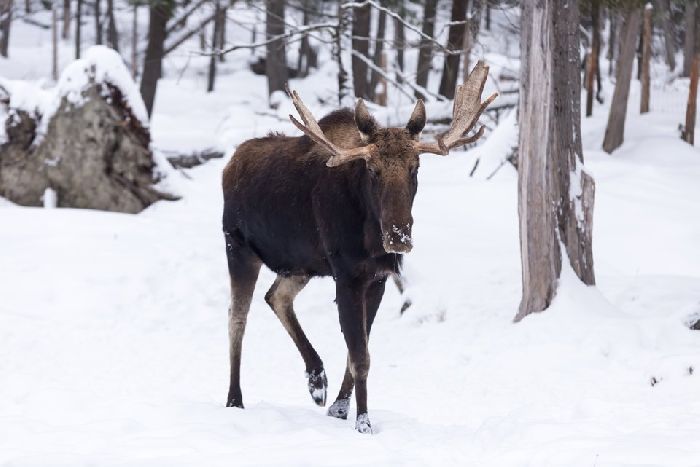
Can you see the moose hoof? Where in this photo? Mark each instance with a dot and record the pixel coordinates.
(339, 409)
(318, 385)
(363, 425)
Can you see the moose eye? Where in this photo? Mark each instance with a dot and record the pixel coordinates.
(373, 172)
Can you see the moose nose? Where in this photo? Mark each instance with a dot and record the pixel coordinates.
(398, 240)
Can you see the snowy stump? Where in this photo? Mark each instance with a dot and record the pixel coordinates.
(87, 140)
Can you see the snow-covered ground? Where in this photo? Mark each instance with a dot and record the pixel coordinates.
(113, 336)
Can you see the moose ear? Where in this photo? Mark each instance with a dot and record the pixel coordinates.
(417, 121)
(364, 121)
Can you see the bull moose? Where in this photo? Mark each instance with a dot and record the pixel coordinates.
(333, 202)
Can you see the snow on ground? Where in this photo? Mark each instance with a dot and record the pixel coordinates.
(113, 336)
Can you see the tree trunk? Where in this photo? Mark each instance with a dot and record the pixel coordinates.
(689, 46)
(223, 13)
(361, 18)
(455, 41)
(66, 19)
(592, 63)
(612, 43)
(646, 58)
(98, 22)
(425, 48)
(378, 52)
(216, 24)
(78, 27)
(488, 15)
(112, 33)
(615, 131)
(134, 40)
(466, 49)
(664, 9)
(400, 40)
(54, 41)
(5, 23)
(691, 110)
(338, 56)
(555, 194)
(158, 15)
(276, 61)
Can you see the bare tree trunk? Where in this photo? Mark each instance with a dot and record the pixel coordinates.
(455, 41)
(5, 24)
(425, 51)
(592, 63)
(28, 6)
(78, 27)
(338, 56)
(112, 33)
(691, 110)
(689, 46)
(615, 131)
(216, 24)
(466, 50)
(646, 58)
(400, 41)
(134, 41)
(66, 19)
(98, 22)
(54, 41)
(276, 61)
(555, 194)
(158, 15)
(381, 83)
(664, 9)
(223, 13)
(612, 43)
(361, 19)
(488, 15)
(378, 52)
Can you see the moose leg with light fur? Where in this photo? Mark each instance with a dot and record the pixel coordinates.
(281, 297)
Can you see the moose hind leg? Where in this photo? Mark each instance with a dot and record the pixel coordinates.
(280, 297)
(244, 267)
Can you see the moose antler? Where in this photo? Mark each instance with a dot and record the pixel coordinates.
(466, 110)
(313, 131)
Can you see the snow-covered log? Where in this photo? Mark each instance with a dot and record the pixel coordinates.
(87, 139)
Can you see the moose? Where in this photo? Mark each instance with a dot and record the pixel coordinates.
(334, 202)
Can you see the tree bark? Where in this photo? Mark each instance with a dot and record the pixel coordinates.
(555, 194)
(425, 48)
(612, 43)
(216, 24)
(223, 13)
(112, 33)
(689, 45)
(400, 41)
(646, 58)
(78, 27)
(664, 9)
(615, 130)
(5, 24)
(455, 41)
(98, 22)
(378, 52)
(691, 109)
(159, 13)
(66, 19)
(338, 56)
(592, 65)
(276, 61)
(361, 18)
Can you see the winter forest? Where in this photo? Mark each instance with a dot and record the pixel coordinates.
(206, 206)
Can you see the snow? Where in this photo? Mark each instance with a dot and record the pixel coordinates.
(113, 327)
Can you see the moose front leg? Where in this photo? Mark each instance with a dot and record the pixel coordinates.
(357, 306)
(373, 297)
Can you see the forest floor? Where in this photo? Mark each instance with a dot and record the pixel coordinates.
(113, 328)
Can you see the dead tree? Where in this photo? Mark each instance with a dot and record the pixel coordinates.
(669, 30)
(158, 15)
(555, 194)
(455, 41)
(361, 18)
(5, 23)
(646, 58)
(425, 48)
(615, 130)
(688, 134)
(276, 60)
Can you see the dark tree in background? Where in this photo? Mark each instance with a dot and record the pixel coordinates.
(276, 61)
(361, 19)
(159, 12)
(78, 26)
(555, 196)
(455, 41)
(5, 23)
(425, 51)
